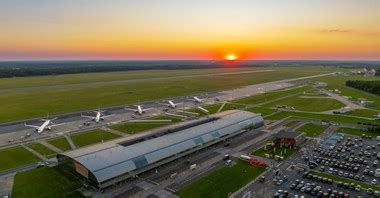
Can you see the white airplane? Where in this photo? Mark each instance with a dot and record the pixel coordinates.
(140, 110)
(48, 124)
(99, 116)
(197, 100)
(172, 104)
(377, 117)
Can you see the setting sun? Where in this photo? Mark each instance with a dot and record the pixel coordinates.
(230, 57)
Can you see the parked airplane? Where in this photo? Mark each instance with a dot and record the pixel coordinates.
(48, 124)
(140, 110)
(197, 100)
(172, 104)
(99, 116)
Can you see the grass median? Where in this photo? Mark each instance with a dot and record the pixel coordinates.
(92, 137)
(222, 182)
(14, 157)
(271, 150)
(45, 183)
(311, 130)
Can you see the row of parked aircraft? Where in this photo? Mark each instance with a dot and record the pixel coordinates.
(99, 115)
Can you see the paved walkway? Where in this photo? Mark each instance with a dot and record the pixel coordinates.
(221, 107)
(51, 147)
(114, 131)
(6, 184)
(70, 141)
(34, 152)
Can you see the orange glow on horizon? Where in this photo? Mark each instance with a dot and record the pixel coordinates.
(230, 57)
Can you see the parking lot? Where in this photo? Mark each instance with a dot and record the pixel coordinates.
(338, 165)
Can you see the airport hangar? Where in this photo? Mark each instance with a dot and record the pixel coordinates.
(109, 163)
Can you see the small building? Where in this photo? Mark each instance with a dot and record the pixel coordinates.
(288, 138)
(320, 84)
(343, 110)
(366, 103)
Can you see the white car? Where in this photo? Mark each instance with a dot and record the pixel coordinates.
(377, 172)
(374, 182)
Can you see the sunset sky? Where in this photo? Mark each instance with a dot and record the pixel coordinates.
(189, 29)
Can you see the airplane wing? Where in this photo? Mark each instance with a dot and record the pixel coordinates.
(106, 116)
(128, 109)
(148, 109)
(54, 125)
(33, 126)
(179, 103)
(87, 116)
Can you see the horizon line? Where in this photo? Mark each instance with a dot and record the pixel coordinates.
(216, 60)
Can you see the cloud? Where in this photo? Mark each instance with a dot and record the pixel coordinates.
(355, 32)
(336, 30)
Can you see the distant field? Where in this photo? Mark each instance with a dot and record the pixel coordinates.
(43, 150)
(14, 157)
(222, 182)
(311, 130)
(60, 143)
(309, 104)
(317, 116)
(30, 97)
(335, 82)
(268, 96)
(45, 183)
(92, 137)
(67, 79)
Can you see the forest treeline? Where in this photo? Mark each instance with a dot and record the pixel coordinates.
(368, 86)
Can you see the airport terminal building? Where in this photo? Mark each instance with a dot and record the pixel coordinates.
(108, 163)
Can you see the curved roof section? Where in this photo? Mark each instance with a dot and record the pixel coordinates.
(111, 159)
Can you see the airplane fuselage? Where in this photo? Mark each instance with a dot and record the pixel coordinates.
(196, 99)
(98, 116)
(44, 126)
(140, 110)
(171, 104)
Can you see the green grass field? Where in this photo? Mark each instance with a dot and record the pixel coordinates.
(308, 104)
(14, 157)
(45, 183)
(24, 101)
(285, 152)
(363, 113)
(43, 150)
(221, 182)
(316, 116)
(60, 143)
(268, 96)
(133, 128)
(346, 180)
(92, 137)
(311, 130)
(356, 132)
(338, 82)
(263, 110)
(291, 123)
